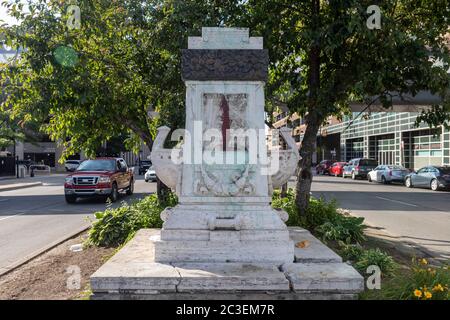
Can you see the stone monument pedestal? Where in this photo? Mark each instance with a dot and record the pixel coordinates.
(223, 232)
(224, 240)
(315, 272)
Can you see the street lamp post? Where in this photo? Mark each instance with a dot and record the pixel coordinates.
(17, 166)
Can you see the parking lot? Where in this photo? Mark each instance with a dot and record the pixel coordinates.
(418, 216)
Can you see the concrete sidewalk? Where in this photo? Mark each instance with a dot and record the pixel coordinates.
(13, 183)
(15, 186)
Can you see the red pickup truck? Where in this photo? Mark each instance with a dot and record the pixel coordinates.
(99, 177)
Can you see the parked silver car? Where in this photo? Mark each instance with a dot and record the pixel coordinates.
(387, 174)
(432, 177)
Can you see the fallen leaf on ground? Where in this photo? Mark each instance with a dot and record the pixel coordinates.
(302, 244)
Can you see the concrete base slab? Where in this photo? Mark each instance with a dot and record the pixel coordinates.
(133, 274)
(230, 276)
(308, 249)
(222, 296)
(328, 277)
(275, 252)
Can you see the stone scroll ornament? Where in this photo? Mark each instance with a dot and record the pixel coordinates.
(168, 168)
(288, 159)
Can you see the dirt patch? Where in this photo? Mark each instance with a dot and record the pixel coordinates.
(47, 277)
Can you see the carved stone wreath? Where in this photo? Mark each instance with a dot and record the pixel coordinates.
(214, 183)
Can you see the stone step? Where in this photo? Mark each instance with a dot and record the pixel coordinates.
(219, 277)
(137, 277)
(260, 251)
(133, 274)
(308, 249)
(323, 277)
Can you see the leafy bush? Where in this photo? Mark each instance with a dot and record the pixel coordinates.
(350, 252)
(115, 226)
(376, 257)
(319, 212)
(323, 217)
(287, 204)
(421, 282)
(342, 228)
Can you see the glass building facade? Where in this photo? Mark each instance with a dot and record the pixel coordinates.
(392, 138)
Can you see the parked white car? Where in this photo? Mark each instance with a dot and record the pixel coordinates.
(387, 174)
(150, 175)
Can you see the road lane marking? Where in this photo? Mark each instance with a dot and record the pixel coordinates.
(19, 214)
(396, 201)
(3, 200)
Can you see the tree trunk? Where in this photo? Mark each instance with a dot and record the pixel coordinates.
(313, 121)
(284, 188)
(304, 173)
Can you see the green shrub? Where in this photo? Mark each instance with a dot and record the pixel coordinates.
(287, 204)
(421, 282)
(115, 226)
(319, 212)
(323, 217)
(350, 252)
(376, 257)
(342, 228)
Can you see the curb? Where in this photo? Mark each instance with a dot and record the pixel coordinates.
(21, 186)
(407, 248)
(4, 271)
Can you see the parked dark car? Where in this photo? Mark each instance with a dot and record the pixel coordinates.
(324, 167)
(144, 165)
(359, 168)
(432, 177)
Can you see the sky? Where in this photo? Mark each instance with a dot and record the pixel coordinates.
(9, 20)
(5, 17)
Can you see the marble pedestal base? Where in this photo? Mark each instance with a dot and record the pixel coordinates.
(246, 232)
(315, 272)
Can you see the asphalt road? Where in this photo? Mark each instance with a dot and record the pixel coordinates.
(417, 216)
(33, 218)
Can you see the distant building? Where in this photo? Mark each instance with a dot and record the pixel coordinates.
(45, 151)
(392, 138)
(388, 137)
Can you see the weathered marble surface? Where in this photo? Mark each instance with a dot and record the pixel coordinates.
(224, 211)
(337, 277)
(310, 249)
(133, 274)
(224, 240)
(230, 277)
(228, 65)
(225, 38)
(133, 268)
